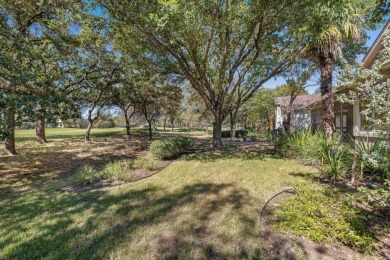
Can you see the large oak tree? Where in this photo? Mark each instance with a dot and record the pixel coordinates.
(226, 49)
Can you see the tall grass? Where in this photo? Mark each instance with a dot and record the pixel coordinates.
(333, 156)
(336, 158)
(302, 144)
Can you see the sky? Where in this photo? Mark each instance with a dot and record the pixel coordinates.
(273, 83)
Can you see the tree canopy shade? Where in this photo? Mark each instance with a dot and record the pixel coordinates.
(28, 30)
(225, 49)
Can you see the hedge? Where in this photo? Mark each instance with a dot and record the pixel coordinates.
(164, 149)
(241, 133)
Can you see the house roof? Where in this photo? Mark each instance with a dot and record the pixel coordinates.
(299, 103)
(375, 48)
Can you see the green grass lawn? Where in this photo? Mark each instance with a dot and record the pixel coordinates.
(69, 132)
(200, 206)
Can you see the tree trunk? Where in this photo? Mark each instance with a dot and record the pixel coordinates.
(88, 131)
(288, 127)
(127, 124)
(9, 130)
(9, 125)
(150, 130)
(217, 133)
(90, 124)
(165, 123)
(40, 129)
(172, 123)
(233, 121)
(353, 174)
(326, 64)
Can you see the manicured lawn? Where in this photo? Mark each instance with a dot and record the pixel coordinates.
(201, 206)
(69, 132)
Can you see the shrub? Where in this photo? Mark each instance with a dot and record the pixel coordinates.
(302, 144)
(322, 214)
(240, 133)
(86, 175)
(231, 146)
(117, 170)
(378, 198)
(372, 156)
(145, 163)
(336, 158)
(164, 149)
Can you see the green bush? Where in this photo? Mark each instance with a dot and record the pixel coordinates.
(164, 149)
(336, 158)
(322, 214)
(372, 157)
(117, 170)
(302, 144)
(145, 163)
(86, 174)
(241, 133)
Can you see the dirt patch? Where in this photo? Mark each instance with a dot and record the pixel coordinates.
(277, 245)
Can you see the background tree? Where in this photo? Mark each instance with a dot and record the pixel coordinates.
(234, 43)
(24, 27)
(172, 104)
(124, 99)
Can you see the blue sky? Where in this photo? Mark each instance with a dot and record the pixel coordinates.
(273, 83)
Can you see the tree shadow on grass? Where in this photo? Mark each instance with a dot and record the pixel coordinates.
(49, 220)
(210, 156)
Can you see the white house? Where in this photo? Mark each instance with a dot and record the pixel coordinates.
(300, 115)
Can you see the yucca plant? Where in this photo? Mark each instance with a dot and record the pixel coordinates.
(335, 157)
(302, 144)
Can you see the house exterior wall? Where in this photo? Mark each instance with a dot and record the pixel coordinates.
(278, 118)
(300, 118)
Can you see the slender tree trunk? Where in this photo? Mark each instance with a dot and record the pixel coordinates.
(9, 124)
(9, 130)
(127, 124)
(245, 122)
(150, 130)
(172, 123)
(88, 131)
(287, 126)
(40, 129)
(233, 123)
(353, 174)
(217, 133)
(165, 123)
(326, 64)
(89, 127)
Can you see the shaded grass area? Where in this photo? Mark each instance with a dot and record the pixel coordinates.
(60, 133)
(55, 133)
(202, 206)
